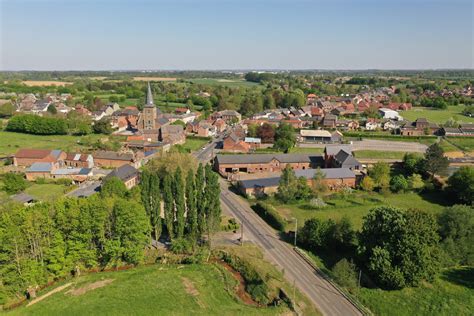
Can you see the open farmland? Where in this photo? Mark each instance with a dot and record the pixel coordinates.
(45, 83)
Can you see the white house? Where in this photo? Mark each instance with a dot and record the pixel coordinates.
(372, 126)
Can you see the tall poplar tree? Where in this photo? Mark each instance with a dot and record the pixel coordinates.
(213, 207)
(178, 194)
(191, 211)
(201, 199)
(150, 194)
(168, 204)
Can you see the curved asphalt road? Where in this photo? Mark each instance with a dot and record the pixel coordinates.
(323, 295)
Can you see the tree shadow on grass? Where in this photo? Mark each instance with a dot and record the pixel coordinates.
(462, 276)
(437, 197)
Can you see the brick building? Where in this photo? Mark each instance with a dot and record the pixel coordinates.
(227, 165)
(27, 157)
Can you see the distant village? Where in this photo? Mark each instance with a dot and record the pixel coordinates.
(149, 132)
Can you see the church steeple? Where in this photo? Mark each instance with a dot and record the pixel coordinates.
(149, 97)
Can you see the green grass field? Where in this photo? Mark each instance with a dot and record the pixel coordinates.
(437, 116)
(465, 143)
(11, 142)
(356, 206)
(450, 294)
(195, 143)
(375, 154)
(46, 192)
(153, 290)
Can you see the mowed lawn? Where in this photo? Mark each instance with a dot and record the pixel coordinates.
(355, 207)
(195, 143)
(47, 192)
(11, 142)
(450, 294)
(375, 154)
(437, 116)
(152, 290)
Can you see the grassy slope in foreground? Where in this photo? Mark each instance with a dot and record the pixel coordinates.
(152, 290)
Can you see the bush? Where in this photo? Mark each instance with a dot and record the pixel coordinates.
(317, 203)
(33, 124)
(254, 284)
(344, 272)
(270, 215)
(14, 183)
(398, 183)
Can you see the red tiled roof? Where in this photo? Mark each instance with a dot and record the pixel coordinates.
(32, 153)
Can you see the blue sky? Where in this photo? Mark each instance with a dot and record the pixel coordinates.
(231, 34)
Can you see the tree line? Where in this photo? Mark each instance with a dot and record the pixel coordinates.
(395, 248)
(48, 241)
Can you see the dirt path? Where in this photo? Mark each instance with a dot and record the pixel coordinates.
(56, 290)
(89, 287)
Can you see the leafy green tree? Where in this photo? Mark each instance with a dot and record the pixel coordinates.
(213, 206)
(55, 255)
(287, 186)
(191, 211)
(131, 227)
(103, 127)
(150, 196)
(415, 182)
(7, 110)
(180, 207)
(412, 163)
(367, 184)
(113, 186)
(285, 137)
(319, 185)
(399, 247)
(14, 183)
(380, 173)
(52, 109)
(461, 185)
(398, 183)
(435, 161)
(314, 234)
(344, 272)
(456, 228)
(168, 202)
(201, 199)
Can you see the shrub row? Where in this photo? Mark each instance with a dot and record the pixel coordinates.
(33, 124)
(254, 284)
(270, 215)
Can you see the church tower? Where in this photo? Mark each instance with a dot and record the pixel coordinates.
(149, 114)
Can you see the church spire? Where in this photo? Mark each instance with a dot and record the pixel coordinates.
(149, 96)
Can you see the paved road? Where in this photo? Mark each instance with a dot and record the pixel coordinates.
(379, 145)
(324, 296)
(85, 190)
(206, 153)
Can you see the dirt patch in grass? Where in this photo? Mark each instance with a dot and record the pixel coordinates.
(454, 154)
(89, 287)
(189, 287)
(56, 290)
